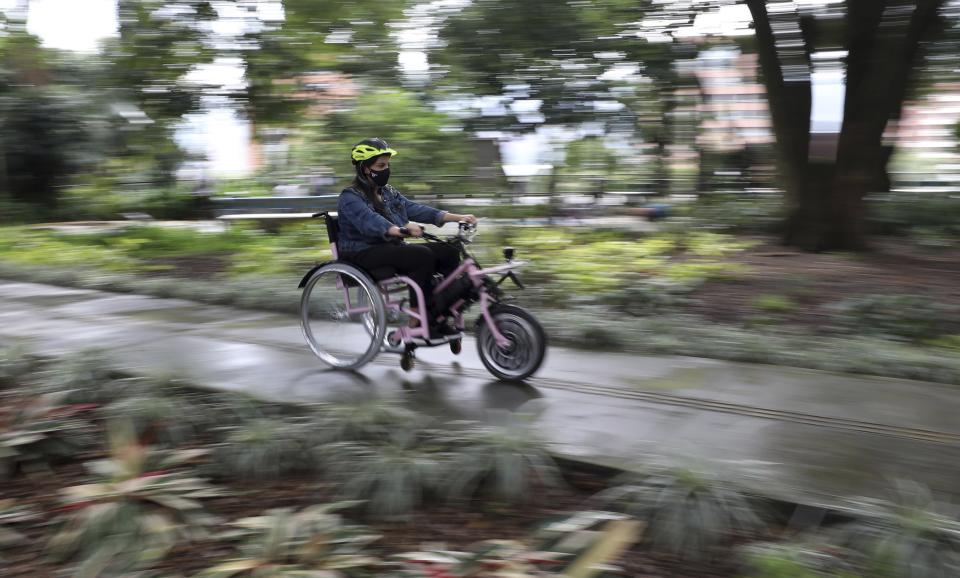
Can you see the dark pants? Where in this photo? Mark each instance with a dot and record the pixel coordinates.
(418, 261)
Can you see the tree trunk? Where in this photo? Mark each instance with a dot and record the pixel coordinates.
(825, 195)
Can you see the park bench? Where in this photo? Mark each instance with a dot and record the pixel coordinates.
(270, 212)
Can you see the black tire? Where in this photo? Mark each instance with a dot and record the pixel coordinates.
(326, 325)
(528, 343)
(407, 361)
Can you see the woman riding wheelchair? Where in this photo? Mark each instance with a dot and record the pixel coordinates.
(374, 219)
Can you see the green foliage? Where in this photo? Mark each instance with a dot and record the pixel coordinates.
(311, 542)
(578, 545)
(761, 213)
(689, 514)
(394, 475)
(140, 508)
(265, 449)
(23, 245)
(89, 377)
(16, 363)
(776, 560)
(12, 514)
(774, 303)
(364, 420)
(907, 536)
(34, 431)
(607, 266)
(165, 421)
(897, 316)
(428, 142)
(929, 218)
(509, 462)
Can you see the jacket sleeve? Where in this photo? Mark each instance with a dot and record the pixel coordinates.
(422, 213)
(355, 210)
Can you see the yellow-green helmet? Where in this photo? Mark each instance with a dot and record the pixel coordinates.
(370, 148)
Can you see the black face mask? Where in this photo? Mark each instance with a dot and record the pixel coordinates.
(380, 177)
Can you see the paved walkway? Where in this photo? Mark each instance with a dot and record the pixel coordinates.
(808, 435)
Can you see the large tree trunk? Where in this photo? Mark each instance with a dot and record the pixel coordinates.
(825, 195)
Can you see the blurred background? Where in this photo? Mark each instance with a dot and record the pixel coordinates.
(189, 140)
(113, 106)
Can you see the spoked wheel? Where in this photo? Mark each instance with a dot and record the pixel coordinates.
(342, 316)
(525, 351)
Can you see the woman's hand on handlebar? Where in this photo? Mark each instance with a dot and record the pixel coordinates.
(457, 218)
(408, 230)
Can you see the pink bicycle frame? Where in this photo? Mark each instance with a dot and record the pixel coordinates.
(400, 283)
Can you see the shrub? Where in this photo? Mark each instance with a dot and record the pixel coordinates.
(88, 377)
(265, 449)
(10, 515)
(15, 364)
(156, 419)
(141, 507)
(393, 475)
(508, 461)
(774, 303)
(578, 545)
(283, 543)
(364, 420)
(899, 316)
(36, 430)
(773, 560)
(908, 535)
(689, 514)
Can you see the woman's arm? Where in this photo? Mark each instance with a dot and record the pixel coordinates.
(456, 218)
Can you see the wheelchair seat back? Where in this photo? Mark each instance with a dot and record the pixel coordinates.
(331, 219)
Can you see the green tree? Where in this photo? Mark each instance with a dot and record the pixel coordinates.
(429, 143)
(159, 42)
(49, 121)
(314, 35)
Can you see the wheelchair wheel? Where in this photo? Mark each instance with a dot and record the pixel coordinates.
(523, 355)
(342, 316)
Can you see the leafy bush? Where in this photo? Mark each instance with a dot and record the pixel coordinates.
(930, 218)
(88, 377)
(364, 420)
(774, 303)
(141, 507)
(265, 449)
(35, 430)
(578, 545)
(773, 560)
(393, 475)
(162, 420)
(898, 316)
(689, 514)
(508, 461)
(762, 213)
(15, 363)
(906, 536)
(312, 542)
(10, 515)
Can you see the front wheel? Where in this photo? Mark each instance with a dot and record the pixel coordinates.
(525, 351)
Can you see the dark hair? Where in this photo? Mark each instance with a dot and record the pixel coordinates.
(363, 183)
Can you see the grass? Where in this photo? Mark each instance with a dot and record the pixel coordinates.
(774, 303)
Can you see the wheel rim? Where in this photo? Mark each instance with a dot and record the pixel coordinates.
(521, 355)
(342, 333)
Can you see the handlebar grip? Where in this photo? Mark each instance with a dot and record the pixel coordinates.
(405, 231)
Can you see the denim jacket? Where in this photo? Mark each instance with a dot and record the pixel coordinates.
(361, 227)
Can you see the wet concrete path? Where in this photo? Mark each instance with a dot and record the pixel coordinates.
(794, 433)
